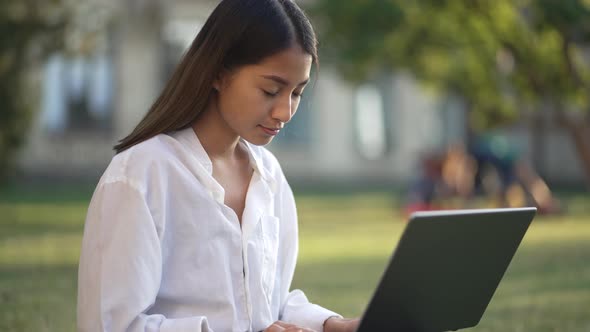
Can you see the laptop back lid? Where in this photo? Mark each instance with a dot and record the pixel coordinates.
(445, 269)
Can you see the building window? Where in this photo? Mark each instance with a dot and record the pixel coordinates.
(78, 84)
(77, 93)
(371, 125)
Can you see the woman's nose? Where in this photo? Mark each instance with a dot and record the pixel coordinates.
(283, 110)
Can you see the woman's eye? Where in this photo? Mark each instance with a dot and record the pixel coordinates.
(269, 93)
(297, 94)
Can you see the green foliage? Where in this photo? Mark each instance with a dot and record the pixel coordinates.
(28, 31)
(367, 34)
(501, 56)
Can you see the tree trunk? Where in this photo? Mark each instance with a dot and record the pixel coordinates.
(538, 134)
(579, 133)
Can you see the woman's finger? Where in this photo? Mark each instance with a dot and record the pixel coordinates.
(275, 328)
(291, 327)
(284, 325)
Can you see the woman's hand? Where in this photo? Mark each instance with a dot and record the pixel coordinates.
(335, 324)
(279, 326)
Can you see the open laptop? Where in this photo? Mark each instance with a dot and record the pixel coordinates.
(445, 270)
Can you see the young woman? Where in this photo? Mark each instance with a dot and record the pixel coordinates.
(193, 226)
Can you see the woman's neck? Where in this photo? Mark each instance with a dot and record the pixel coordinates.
(218, 140)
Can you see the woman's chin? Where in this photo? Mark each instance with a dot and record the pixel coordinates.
(259, 140)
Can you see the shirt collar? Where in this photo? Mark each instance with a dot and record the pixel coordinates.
(258, 165)
(189, 138)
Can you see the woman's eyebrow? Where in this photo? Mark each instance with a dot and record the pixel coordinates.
(282, 81)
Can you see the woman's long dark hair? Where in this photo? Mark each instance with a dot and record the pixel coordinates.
(237, 33)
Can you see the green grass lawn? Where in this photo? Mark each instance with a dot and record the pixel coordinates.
(346, 240)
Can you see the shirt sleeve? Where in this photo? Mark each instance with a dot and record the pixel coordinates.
(121, 266)
(295, 308)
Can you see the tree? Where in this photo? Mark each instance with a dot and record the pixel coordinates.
(503, 57)
(28, 31)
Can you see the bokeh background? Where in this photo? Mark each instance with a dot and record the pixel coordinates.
(417, 105)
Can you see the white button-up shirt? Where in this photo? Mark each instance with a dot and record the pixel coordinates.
(162, 252)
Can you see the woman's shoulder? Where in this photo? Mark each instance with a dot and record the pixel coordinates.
(142, 160)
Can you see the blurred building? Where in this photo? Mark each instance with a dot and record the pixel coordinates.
(372, 133)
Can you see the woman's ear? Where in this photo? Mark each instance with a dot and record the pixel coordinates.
(217, 84)
(221, 79)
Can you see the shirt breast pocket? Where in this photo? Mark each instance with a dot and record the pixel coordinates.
(270, 240)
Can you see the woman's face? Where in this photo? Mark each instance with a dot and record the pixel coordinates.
(256, 101)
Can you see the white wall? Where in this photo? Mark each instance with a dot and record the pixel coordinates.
(419, 121)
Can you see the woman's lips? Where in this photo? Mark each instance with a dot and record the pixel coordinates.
(270, 131)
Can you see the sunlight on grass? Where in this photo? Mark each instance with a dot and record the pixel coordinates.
(345, 243)
(46, 249)
(560, 230)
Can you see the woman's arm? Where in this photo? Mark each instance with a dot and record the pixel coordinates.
(121, 265)
(337, 324)
(295, 307)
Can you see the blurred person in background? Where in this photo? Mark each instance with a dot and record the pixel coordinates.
(193, 225)
(446, 180)
(506, 177)
(490, 168)
(424, 190)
